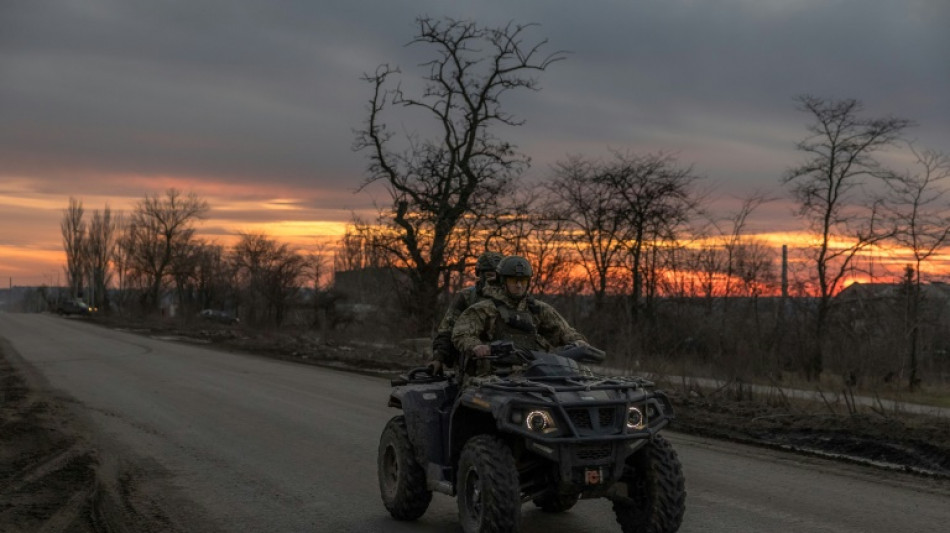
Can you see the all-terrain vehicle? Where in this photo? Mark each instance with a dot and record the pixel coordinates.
(541, 428)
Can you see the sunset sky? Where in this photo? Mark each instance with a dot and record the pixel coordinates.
(253, 104)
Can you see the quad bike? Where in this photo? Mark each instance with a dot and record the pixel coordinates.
(540, 428)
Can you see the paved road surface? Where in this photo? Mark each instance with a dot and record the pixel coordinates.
(250, 444)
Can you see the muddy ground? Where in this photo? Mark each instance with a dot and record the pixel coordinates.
(53, 479)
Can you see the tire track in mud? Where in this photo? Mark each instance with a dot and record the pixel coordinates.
(52, 479)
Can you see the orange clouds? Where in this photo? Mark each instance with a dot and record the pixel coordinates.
(31, 244)
(27, 266)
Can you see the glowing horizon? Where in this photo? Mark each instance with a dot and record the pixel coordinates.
(34, 254)
(41, 262)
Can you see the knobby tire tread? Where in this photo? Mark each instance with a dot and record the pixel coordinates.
(660, 493)
(502, 505)
(413, 500)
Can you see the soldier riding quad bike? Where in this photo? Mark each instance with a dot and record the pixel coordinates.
(541, 428)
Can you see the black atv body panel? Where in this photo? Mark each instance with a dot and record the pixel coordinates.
(427, 406)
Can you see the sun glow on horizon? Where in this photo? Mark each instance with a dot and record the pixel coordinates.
(286, 216)
(22, 265)
(295, 232)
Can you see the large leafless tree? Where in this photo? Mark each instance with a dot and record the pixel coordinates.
(270, 274)
(653, 199)
(462, 165)
(212, 279)
(594, 226)
(160, 228)
(830, 187)
(748, 267)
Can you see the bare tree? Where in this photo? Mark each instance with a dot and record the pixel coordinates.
(122, 263)
(587, 205)
(160, 227)
(133, 252)
(654, 199)
(270, 273)
(708, 263)
(546, 243)
(318, 266)
(211, 278)
(100, 249)
(73, 229)
(752, 269)
(368, 246)
(434, 183)
(732, 264)
(919, 205)
(829, 188)
(351, 252)
(191, 267)
(748, 265)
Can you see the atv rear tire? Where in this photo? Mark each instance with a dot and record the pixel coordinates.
(489, 494)
(556, 503)
(402, 480)
(657, 488)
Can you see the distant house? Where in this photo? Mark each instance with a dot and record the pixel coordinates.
(888, 299)
(868, 292)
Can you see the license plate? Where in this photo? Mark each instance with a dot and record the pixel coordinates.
(593, 476)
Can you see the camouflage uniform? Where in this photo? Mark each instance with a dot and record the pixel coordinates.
(529, 323)
(442, 348)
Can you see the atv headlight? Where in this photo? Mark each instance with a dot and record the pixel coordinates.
(635, 419)
(539, 421)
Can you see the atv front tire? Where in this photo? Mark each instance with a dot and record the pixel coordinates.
(402, 480)
(489, 494)
(656, 489)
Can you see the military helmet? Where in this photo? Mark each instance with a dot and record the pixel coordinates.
(514, 266)
(487, 262)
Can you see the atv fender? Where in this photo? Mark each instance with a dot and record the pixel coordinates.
(427, 408)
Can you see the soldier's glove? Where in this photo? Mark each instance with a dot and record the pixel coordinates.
(481, 350)
(435, 368)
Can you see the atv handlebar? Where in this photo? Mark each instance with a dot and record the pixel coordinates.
(583, 353)
(505, 352)
(420, 374)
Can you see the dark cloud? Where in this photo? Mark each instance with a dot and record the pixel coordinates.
(268, 93)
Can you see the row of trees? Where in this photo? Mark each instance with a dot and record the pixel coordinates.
(631, 233)
(635, 258)
(152, 254)
(454, 194)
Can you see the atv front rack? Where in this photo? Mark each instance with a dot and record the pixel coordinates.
(567, 383)
(549, 393)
